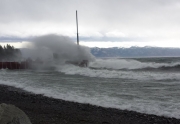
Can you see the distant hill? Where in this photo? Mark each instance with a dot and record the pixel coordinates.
(136, 52)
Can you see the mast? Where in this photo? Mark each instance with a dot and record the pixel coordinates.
(77, 28)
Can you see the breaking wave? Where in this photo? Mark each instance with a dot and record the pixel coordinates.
(122, 69)
(116, 83)
(131, 64)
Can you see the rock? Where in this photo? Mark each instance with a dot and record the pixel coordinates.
(10, 114)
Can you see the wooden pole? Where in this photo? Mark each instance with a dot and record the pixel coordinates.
(77, 28)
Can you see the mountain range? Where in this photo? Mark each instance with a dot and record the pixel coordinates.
(136, 52)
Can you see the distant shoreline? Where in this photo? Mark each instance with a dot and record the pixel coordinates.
(139, 57)
(45, 110)
(134, 52)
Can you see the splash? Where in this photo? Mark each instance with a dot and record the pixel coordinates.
(58, 49)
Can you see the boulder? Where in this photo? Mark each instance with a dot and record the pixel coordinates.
(10, 114)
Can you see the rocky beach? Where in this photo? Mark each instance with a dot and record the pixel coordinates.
(44, 110)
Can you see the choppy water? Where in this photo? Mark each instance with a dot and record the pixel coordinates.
(146, 85)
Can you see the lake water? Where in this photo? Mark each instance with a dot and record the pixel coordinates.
(146, 85)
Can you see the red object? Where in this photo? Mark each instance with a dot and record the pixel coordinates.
(14, 65)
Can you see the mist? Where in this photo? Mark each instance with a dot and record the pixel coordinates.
(58, 49)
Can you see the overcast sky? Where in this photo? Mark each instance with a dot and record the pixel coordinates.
(113, 22)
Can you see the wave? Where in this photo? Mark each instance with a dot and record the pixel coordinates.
(105, 100)
(130, 64)
(163, 68)
(118, 74)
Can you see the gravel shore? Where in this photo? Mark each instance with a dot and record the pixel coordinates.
(45, 110)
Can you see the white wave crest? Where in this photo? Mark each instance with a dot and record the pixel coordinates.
(123, 64)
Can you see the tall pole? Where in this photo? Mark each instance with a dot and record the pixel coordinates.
(77, 28)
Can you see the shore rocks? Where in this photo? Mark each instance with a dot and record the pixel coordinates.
(10, 114)
(45, 110)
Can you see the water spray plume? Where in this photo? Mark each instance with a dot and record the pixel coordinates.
(59, 48)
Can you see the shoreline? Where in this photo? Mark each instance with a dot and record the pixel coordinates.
(45, 110)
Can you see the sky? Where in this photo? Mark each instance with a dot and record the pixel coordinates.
(102, 23)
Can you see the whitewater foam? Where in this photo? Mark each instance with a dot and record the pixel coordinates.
(123, 64)
(141, 91)
(121, 74)
(150, 107)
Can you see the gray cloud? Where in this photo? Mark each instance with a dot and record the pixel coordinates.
(137, 19)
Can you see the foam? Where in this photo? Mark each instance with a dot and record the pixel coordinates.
(142, 106)
(123, 64)
(141, 103)
(105, 73)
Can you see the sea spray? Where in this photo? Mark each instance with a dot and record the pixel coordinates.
(58, 49)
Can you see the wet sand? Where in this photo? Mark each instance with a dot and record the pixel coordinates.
(45, 110)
